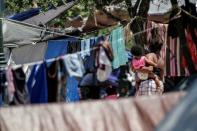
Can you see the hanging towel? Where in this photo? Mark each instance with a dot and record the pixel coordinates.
(37, 84)
(118, 46)
(21, 95)
(74, 65)
(72, 93)
(56, 48)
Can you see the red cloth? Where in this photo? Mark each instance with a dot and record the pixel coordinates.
(192, 49)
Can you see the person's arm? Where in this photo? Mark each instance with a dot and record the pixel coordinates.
(150, 62)
(145, 69)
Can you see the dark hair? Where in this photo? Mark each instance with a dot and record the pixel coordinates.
(137, 50)
(155, 47)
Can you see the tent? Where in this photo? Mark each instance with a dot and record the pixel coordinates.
(131, 114)
(183, 117)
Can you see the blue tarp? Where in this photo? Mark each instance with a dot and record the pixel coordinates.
(56, 48)
(25, 15)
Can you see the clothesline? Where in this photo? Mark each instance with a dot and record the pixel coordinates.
(80, 52)
(52, 59)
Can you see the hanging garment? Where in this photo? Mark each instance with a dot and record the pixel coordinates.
(89, 59)
(192, 47)
(56, 48)
(85, 45)
(37, 84)
(72, 93)
(118, 45)
(73, 46)
(103, 64)
(175, 63)
(74, 65)
(21, 95)
(56, 78)
(2, 85)
(10, 84)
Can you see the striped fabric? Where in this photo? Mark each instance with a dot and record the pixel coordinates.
(175, 64)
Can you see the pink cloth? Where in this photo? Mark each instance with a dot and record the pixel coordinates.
(10, 85)
(138, 63)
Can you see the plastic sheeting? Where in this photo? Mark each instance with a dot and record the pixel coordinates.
(138, 114)
(25, 15)
(17, 34)
(29, 53)
(45, 17)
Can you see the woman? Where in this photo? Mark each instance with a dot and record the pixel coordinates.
(155, 56)
(149, 86)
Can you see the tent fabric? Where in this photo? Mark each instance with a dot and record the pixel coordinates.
(17, 33)
(45, 17)
(25, 15)
(29, 53)
(183, 117)
(132, 114)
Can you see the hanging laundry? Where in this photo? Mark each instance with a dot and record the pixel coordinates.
(37, 84)
(103, 63)
(10, 84)
(174, 59)
(73, 46)
(56, 48)
(56, 78)
(118, 45)
(85, 45)
(192, 47)
(74, 65)
(21, 95)
(2, 85)
(72, 93)
(89, 60)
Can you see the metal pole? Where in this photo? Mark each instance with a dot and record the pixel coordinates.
(2, 57)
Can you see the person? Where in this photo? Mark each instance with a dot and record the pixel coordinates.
(139, 62)
(154, 55)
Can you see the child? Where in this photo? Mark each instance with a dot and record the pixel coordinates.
(139, 62)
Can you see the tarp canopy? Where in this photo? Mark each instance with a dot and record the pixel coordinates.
(44, 17)
(29, 53)
(138, 114)
(17, 33)
(25, 15)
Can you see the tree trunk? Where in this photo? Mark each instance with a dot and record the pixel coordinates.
(137, 24)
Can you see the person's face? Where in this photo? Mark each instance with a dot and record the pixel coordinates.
(137, 57)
